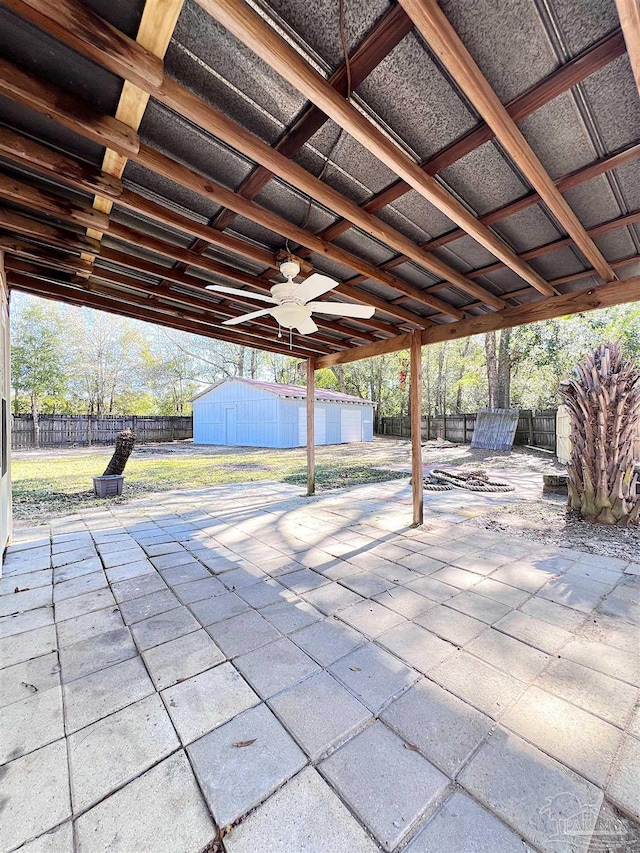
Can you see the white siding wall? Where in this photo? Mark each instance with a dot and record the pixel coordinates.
(236, 414)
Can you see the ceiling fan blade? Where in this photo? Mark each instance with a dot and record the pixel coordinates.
(308, 327)
(313, 286)
(245, 294)
(243, 318)
(342, 309)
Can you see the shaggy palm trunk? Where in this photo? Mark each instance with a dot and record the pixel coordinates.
(603, 400)
(124, 445)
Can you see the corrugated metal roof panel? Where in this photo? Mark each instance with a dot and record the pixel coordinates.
(413, 98)
(291, 391)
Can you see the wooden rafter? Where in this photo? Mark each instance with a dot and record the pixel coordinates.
(604, 296)
(163, 165)
(629, 14)
(441, 37)
(386, 33)
(158, 21)
(63, 292)
(567, 182)
(561, 80)
(189, 105)
(253, 31)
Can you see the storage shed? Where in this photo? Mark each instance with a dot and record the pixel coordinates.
(249, 413)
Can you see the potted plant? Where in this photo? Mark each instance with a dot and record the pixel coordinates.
(111, 482)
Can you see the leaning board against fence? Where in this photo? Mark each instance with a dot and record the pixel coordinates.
(85, 430)
(536, 429)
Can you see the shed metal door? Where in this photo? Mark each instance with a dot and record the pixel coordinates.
(350, 421)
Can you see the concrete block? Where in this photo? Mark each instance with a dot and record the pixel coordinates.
(96, 653)
(566, 732)
(30, 723)
(138, 586)
(623, 786)
(442, 727)
(509, 655)
(274, 667)
(479, 684)
(95, 696)
(90, 625)
(451, 625)
(304, 815)
(199, 590)
(373, 675)
(541, 635)
(244, 761)
(179, 659)
(112, 751)
(319, 713)
(163, 628)
(220, 607)
(243, 633)
(461, 825)
(44, 775)
(205, 701)
(21, 647)
(371, 618)
(332, 598)
(404, 601)
(146, 606)
(22, 680)
(173, 811)
(536, 795)
(388, 786)
(327, 640)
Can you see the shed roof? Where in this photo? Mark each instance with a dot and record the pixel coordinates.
(289, 391)
(482, 174)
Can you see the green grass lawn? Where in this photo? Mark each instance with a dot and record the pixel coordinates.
(54, 483)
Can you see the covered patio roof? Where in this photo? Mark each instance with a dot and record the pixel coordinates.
(480, 173)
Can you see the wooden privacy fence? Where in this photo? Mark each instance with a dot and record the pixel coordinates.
(85, 430)
(537, 429)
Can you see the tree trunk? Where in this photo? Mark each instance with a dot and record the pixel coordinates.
(465, 353)
(254, 363)
(36, 420)
(504, 370)
(124, 445)
(603, 400)
(492, 369)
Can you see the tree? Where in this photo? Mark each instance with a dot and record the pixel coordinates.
(603, 399)
(37, 359)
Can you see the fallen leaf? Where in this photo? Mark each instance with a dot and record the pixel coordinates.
(30, 686)
(411, 747)
(240, 743)
(355, 668)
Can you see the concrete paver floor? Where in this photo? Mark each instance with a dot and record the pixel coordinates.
(314, 675)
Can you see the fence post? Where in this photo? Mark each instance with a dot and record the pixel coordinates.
(444, 426)
(531, 437)
(464, 429)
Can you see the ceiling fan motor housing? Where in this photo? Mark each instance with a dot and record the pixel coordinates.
(290, 269)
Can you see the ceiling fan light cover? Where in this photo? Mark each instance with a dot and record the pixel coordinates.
(290, 314)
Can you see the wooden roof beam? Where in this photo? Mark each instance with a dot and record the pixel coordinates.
(76, 212)
(164, 293)
(591, 299)
(562, 79)
(198, 285)
(174, 171)
(79, 294)
(629, 14)
(567, 182)
(253, 31)
(51, 235)
(158, 21)
(441, 37)
(386, 34)
(191, 106)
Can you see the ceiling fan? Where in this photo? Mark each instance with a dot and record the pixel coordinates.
(291, 304)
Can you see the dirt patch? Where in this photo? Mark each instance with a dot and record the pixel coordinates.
(549, 521)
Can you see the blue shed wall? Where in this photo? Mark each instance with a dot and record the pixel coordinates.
(243, 415)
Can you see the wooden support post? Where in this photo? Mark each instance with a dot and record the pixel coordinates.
(416, 431)
(311, 433)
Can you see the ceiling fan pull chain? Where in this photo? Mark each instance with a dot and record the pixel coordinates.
(290, 339)
(279, 330)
